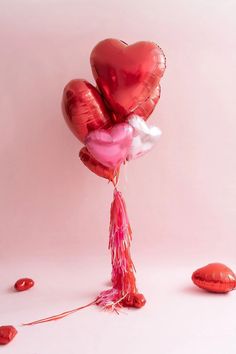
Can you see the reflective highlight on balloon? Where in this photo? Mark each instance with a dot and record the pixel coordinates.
(144, 137)
(83, 108)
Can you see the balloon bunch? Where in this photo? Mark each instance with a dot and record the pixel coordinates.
(110, 120)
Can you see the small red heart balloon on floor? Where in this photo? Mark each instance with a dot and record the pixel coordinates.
(144, 110)
(136, 300)
(24, 284)
(215, 277)
(7, 333)
(127, 75)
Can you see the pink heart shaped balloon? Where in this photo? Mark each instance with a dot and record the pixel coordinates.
(110, 147)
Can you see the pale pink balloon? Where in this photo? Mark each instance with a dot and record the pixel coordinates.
(144, 137)
(110, 147)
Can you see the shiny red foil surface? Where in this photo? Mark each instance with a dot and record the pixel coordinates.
(24, 284)
(145, 109)
(215, 277)
(127, 75)
(84, 109)
(7, 333)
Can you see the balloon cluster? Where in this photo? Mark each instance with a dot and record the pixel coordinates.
(111, 119)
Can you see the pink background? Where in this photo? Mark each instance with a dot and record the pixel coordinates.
(181, 197)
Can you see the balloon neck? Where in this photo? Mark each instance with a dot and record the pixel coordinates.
(115, 179)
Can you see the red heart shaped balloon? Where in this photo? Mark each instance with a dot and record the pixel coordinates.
(215, 277)
(134, 300)
(145, 109)
(84, 109)
(96, 167)
(127, 75)
(24, 284)
(7, 333)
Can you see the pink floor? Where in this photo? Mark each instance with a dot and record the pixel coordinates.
(178, 317)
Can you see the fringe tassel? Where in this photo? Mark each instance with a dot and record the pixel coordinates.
(123, 277)
(124, 290)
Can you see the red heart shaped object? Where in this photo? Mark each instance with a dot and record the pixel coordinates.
(96, 167)
(145, 109)
(83, 108)
(7, 333)
(139, 300)
(24, 284)
(215, 277)
(136, 300)
(127, 75)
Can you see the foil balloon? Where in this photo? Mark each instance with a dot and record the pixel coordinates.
(215, 277)
(7, 334)
(24, 284)
(96, 167)
(145, 109)
(83, 108)
(134, 300)
(144, 137)
(110, 147)
(127, 75)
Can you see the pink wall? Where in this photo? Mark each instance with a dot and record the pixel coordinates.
(182, 196)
